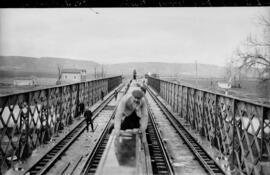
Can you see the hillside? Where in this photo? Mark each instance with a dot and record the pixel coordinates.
(167, 69)
(41, 67)
(47, 66)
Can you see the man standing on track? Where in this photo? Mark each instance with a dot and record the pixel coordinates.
(131, 112)
(88, 118)
(115, 95)
(102, 95)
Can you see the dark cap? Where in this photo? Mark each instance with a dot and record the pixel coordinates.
(137, 93)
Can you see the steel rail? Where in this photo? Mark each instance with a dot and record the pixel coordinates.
(204, 158)
(76, 165)
(160, 159)
(43, 165)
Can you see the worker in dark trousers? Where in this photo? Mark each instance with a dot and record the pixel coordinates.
(102, 95)
(115, 95)
(88, 118)
(127, 88)
(131, 112)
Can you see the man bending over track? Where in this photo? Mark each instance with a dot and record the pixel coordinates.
(131, 112)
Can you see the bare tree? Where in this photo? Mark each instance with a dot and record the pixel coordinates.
(254, 57)
(257, 52)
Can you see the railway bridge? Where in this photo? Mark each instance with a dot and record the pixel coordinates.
(190, 131)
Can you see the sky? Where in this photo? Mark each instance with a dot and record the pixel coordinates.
(117, 35)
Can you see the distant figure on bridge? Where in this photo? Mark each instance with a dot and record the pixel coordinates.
(143, 88)
(81, 109)
(115, 95)
(128, 85)
(88, 118)
(131, 112)
(102, 95)
(134, 74)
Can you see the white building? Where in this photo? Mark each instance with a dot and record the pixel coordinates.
(22, 81)
(73, 75)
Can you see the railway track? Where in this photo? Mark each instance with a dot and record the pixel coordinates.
(45, 163)
(209, 165)
(159, 158)
(94, 158)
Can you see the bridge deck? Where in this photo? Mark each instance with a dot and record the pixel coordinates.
(118, 160)
(124, 154)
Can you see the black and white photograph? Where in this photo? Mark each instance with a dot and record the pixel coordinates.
(124, 91)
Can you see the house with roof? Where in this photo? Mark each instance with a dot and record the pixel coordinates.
(25, 81)
(73, 75)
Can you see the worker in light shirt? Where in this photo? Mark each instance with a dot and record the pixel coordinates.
(131, 113)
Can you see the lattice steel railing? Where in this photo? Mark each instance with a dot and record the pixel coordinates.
(30, 119)
(240, 129)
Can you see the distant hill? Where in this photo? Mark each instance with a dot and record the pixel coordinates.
(45, 66)
(11, 66)
(167, 69)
